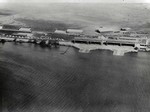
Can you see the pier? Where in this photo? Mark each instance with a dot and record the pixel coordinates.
(86, 48)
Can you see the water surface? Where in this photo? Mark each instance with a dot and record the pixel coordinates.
(43, 79)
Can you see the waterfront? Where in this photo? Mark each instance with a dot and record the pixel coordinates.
(46, 79)
(38, 77)
(86, 48)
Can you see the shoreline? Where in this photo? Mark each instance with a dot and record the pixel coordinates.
(84, 48)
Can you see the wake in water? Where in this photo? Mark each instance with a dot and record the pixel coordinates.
(66, 50)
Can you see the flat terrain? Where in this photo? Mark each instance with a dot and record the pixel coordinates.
(85, 16)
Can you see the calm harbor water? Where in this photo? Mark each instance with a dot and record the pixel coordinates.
(37, 79)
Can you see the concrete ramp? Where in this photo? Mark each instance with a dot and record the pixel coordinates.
(84, 51)
(118, 52)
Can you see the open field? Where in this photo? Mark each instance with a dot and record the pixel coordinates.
(47, 26)
(85, 16)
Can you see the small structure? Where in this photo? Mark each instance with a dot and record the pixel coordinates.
(125, 29)
(144, 41)
(1, 27)
(101, 37)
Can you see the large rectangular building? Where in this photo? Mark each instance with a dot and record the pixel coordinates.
(25, 29)
(60, 31)
(8, 29)
(89, 40)
(128, 41)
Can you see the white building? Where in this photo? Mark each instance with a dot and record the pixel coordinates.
(60, 31)
(1, 27)
(23, 35)
(25, 29)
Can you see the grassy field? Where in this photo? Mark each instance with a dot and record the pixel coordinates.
(47, 25)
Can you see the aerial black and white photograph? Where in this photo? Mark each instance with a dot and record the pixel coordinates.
(74, 55)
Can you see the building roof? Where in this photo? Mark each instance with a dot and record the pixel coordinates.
(60, 31)
(74, 31)
(11, 27)
(25, 29)
(107, 29)
(1, 27)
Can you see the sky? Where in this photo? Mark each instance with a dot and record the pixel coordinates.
(80, 1)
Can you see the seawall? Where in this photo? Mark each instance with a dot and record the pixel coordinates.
(86, 48)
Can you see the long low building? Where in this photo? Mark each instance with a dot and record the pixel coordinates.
(89, 40)
(14, 29)
(60, 31)
(127, 41)
(18, 35)
(25, 29)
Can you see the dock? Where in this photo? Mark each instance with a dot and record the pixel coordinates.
(86, 48)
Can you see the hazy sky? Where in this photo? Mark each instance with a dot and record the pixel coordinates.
(103, 1)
